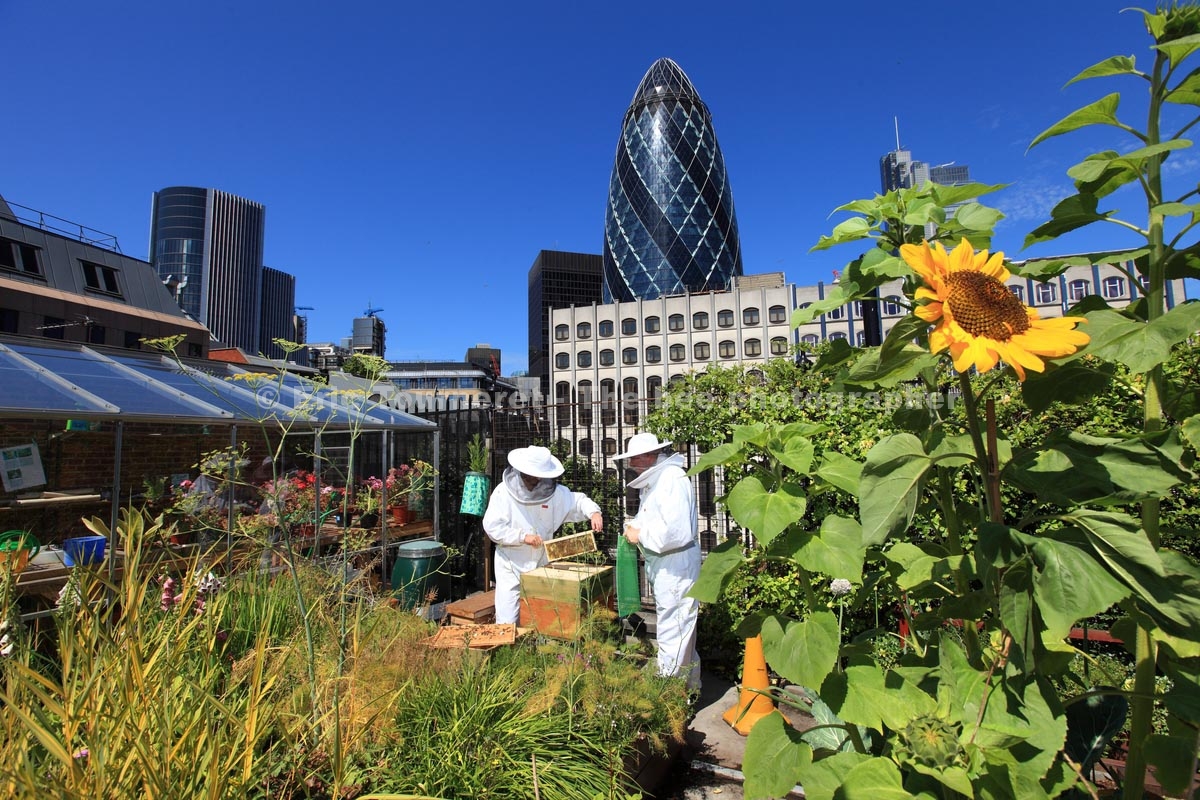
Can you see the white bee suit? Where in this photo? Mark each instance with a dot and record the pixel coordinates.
(514, 511)
(667, 530)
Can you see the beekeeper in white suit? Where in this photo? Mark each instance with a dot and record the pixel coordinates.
(525, 510)
(666, 530)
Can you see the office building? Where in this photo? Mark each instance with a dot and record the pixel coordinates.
(277, 316)
(557, 280)
(369, 335)
(211, 244)
(62, 280)
(670, 226)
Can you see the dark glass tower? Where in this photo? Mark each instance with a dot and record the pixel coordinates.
(669, 227)
(557, 280)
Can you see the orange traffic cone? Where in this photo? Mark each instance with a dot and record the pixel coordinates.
(751, 705)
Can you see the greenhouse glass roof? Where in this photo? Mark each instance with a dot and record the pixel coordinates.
(56, 380)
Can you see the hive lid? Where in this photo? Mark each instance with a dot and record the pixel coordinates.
(567, 546)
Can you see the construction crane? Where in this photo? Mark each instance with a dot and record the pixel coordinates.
(370, 312)
(303, 308)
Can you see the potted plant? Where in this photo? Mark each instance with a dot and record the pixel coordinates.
(367, 500)
(476, 483)
(397, 486)
(420, 488)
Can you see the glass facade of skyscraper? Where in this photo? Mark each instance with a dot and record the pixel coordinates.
(670, 227)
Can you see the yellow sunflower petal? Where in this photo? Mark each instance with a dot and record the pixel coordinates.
(994, 267)
(940, 339)
(924, 293)
(931, 312)
(978, 353)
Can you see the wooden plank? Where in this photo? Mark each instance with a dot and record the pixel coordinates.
(479, 608)
(474, 636)
(567, 546)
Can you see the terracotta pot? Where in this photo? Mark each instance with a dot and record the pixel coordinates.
(401, 515)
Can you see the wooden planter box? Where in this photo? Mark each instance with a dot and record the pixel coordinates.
(556, 599)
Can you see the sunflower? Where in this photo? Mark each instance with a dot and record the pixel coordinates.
(978, 319)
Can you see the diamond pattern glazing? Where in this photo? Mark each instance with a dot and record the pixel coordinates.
(669, 227)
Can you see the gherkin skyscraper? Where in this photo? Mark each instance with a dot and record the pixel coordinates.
(669, 227)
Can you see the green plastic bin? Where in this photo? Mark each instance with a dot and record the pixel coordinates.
(420, 568)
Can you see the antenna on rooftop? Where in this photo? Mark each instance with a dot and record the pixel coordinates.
(896, 120)
(371, 311)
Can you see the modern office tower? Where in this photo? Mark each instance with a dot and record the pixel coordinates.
(557, 280)
(368, 335)
(278, 315)
(898, 170)
(669, 227)
(211, 243)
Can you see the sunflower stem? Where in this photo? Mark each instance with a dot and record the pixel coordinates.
(981, 453)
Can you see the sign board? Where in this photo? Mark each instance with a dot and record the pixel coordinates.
(21, 467)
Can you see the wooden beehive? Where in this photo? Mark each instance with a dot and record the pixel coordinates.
(478, 609)
(557, 598)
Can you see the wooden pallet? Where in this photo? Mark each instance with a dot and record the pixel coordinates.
(478, 609)
(476, 637)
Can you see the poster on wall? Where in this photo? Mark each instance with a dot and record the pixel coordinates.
(21, 467)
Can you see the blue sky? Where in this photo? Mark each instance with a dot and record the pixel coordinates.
(416, 157)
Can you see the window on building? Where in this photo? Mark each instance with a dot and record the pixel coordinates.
(100, 278)
(674, 381)
(583, 358)
(700, 320)
(629, 355)
(562, 360)
(727, 349)
(891, 306)
(584, 399)
(133, 340)
(779, 345)
(19, 257)
(653, 354)
(861, 338)
(810, 338)
(562, 399)
(677, 352)
(1114, 287)
(750, 316)
(755, 376)
(777, 315)
(836, 313)
(608, 446)
(725, 318)
(653, 324)
(1046, 293)
(583, 330)
(54, 327)
(604, 328)
(629, 401)
(837, 335)
(195, 350)
(753, 347)
(608, 402)
(1018, 291)
(858, 309)
(675, 322)
(628, 326)
(585, 447)
(654, 391)
(701, 351)
(562, 333)
(607, 358)
(1077, 290)
(8, 320)
(95, 334)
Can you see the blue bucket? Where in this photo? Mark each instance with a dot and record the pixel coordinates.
(84, 550)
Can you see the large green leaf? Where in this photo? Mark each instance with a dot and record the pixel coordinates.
(837, 551)
(1116, 65)
(764, 512)
(1072, 468)
(804, 652)
(716, 570)
(977, 217)
(1070, 586)
(822, 780)
(838, 296)
(848, 230)
(879, 265)
(1187, 91)
(1140, 346)
(877, 779)
(844, 472)
(1177, 50)
(890, 486)
(715, 457)
(1174, 759)
(949, 195)
(1091, 724)
(1071, 213)
(1072, 382)
(794, 452)
(1191, 431)
(871, 370)
(827, 736)
(866, 695)
(775, 758)
(1101, 112)
(917, 565)
(1094, 168)
(1016, 609)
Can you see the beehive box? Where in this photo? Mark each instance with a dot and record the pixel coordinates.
(478, 609)
(556, 599)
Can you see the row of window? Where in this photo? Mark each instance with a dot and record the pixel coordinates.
(701, 351)
(56, 328)
(21, 257)
(776, 315)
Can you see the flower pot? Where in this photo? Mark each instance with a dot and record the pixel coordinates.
(369, 519)
(475, 494)
(401, 515)
(84, 550)
(182, 537)
(16, 548)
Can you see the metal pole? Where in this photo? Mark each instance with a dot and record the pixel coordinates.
(114, 511)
